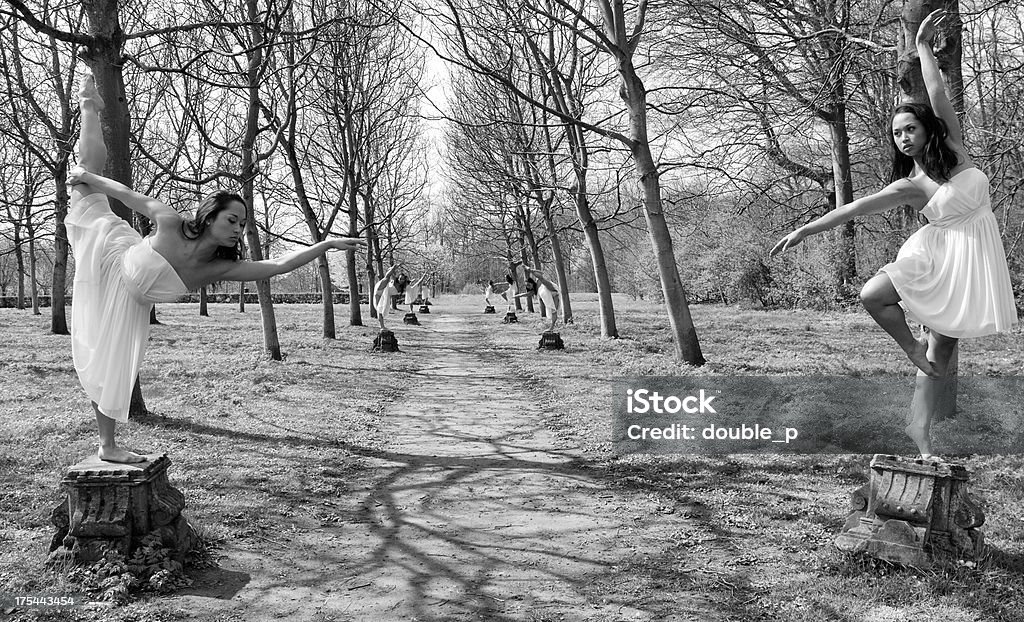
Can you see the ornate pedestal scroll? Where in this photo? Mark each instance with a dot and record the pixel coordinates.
(912, 510)
(115, 506)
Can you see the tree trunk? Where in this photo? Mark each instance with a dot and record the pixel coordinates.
(604, 285)
(355, 317)
(845, 260)
(59, 278)
(19, 258)
(948, 52)
(526, 261)
(271, 342)
(557, 256)
(687, 346)
(32, 271)
(312, 224)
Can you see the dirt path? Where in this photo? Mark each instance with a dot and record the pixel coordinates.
(474, 511)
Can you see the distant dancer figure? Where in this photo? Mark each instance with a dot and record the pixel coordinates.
(119, 275)
(951, 275)
(383, 292)
(512, 292)
(548, 294)
(488, 292)
(425, 293)
(412, 292)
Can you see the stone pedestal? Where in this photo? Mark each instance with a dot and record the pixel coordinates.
(912, 510)
(115, 506)
(510, 318)
(385, 341)
(424, 309)
(551, 341)
(410, 318)
(488, 309)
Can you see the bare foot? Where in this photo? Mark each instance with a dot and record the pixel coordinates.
(116, 454)
(88, 93)
(919, 356)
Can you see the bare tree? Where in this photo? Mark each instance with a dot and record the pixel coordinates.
(616, 30)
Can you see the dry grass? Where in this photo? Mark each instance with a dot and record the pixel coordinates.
(253, 441)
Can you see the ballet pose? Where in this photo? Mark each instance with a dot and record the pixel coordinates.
(488, 292)
(548, 293)
(950, 275)
(412, 292)
(119, 275)
(383, 291)
(512, 292)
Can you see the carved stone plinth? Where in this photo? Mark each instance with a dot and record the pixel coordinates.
(510, 318)
(385, 341)
(424, 309)
(551, 341)
(410, 318)
(115, 506)
(488, 309)
(912, 510)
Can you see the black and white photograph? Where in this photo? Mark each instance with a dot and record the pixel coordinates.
(495, 310)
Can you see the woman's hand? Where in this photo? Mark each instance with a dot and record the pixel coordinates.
(347, 244)
(75, 176)
(929, 26)
(788, 242)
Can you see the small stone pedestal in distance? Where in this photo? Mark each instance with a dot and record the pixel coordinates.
(385, 341)
(488, 309)
(551, 341)
(510, 318)
(913, 510)
(410, 318)
(424, 309)
(115, 506)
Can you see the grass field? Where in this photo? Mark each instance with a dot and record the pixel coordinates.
(276, 460)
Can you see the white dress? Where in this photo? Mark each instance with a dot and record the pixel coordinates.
(118, 278)
(383, 291)
(951, 274)
(550, 299)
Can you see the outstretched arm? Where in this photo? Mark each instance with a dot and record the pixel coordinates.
(258, 270)
(151, 208)
(933, 77)
(901, 192)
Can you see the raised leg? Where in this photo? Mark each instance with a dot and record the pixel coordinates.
(92, 151)
(881, 301)
(109, 450)
(932, 395)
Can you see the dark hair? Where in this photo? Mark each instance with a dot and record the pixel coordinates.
(206, 212)
(938, 158)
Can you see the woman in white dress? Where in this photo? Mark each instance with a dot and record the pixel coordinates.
(119, 275)
(549, 294)
(412, 292)
(951, 275)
